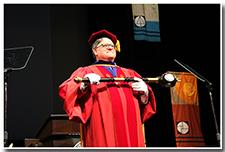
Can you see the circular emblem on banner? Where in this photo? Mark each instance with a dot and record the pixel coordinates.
(182, 127)
(139, 21)
(187, 89)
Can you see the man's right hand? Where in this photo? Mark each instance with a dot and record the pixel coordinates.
(93, 79)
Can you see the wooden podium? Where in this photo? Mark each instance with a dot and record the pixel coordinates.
(58, 131)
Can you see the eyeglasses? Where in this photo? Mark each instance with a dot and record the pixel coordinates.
(106, 46)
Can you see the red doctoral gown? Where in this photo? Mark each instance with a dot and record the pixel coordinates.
(111, 113)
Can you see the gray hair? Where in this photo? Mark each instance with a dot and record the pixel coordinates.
(94, 46)
(96, 43)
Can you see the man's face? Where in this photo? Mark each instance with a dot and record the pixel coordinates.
(105, 50)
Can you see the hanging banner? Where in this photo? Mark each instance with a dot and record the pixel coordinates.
(146, 22)
(185, 108)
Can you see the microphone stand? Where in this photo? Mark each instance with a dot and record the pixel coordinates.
(6, 75)
(14, 59)
(209, 88)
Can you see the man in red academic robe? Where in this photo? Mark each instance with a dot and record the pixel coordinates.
(111, 113)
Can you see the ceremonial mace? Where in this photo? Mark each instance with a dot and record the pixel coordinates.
(165, 80)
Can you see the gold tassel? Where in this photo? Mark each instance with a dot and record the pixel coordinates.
(117, 47)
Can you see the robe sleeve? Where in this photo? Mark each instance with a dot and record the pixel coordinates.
(77, 104)
(147, 110)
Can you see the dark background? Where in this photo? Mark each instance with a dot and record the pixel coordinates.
(190, 33)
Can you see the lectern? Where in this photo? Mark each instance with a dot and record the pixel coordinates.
(58, 131)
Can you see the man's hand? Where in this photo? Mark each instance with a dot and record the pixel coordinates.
(142, 87)
(93, 79)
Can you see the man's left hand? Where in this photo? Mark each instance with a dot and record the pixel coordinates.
(140, 85)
